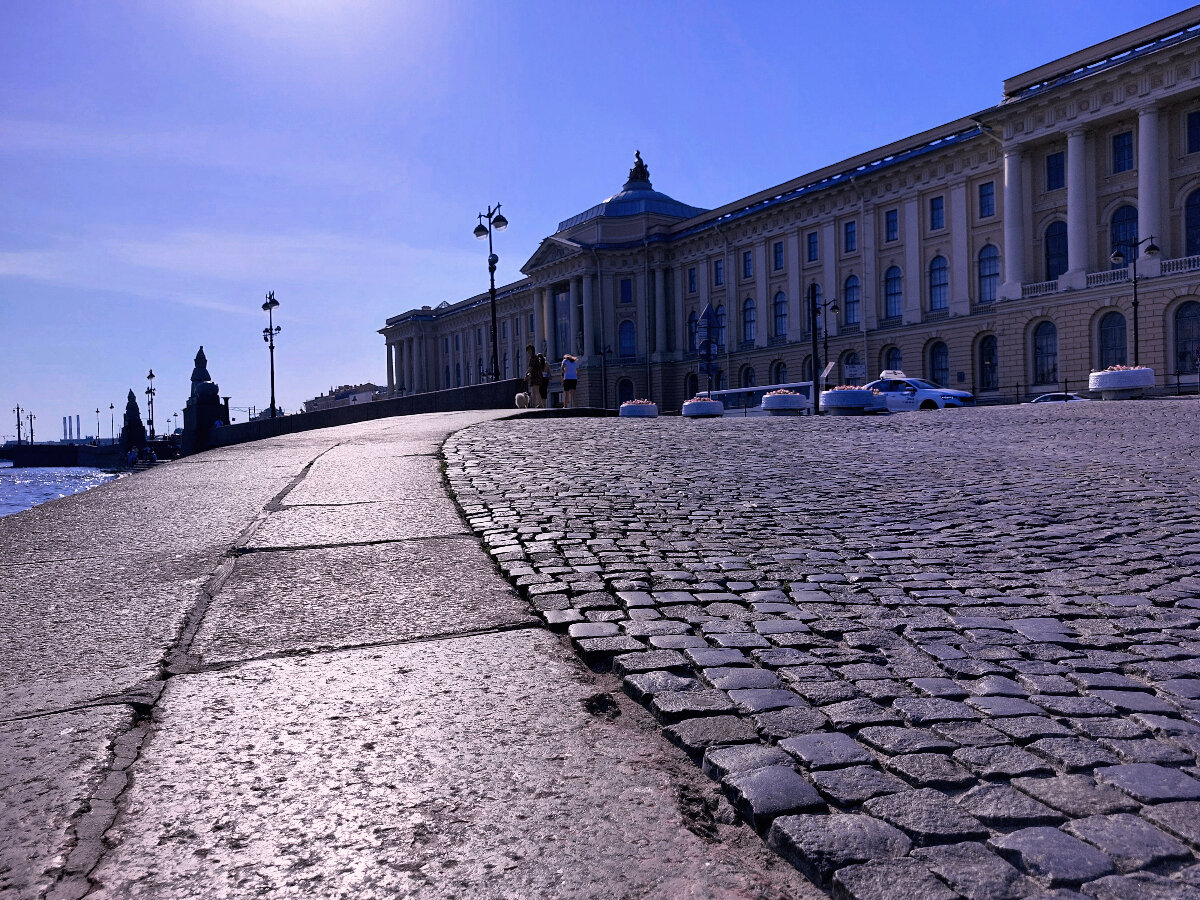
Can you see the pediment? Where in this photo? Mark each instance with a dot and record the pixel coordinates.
(550, 250)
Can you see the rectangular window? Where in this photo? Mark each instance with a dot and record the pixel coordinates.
(478, 337)
(446, 347)
(987, 199)
(813, 247)
(891, 227)
(718, 271)
(626, 290)
(504, 330)
(748, 264)
(850, 237)
(1122, 152)
(1193, 132)
(937, 213)
(531, 323)
(692, 280)
(1056, 171)
(456, 343)
(517, 327)
(778, 250)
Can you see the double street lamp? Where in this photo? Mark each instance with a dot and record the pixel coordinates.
(150, 402)
(495, 220)
(1118, 259)
(269, 306)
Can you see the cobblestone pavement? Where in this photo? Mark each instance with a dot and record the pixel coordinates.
(930, 655)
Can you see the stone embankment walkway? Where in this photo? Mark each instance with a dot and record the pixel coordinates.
(288, 669)
(935, 655)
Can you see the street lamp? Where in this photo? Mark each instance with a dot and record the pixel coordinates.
(828, 306)
(112, 424)
(1118, 259)
(31, 417)
(150, 402)
(97, 426)
(495, 220)
(269, 307)
(18, 412)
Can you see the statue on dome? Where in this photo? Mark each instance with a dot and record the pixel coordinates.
(639, 172)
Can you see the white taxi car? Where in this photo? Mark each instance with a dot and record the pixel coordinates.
(903, 393)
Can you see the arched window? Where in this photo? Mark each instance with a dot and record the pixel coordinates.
(939, 364)
(1112, 340)
(690, 386)
(778, 372)
(989, 273)
(939, 284)
(1187, 337)
(1125, 234)
(719, 380)
(1056, 250)
(893, 293)
(693, 321)
(627, 339)
(806, 372)
(721, 325)
(781, 315)
(850, 358)
(624, 390)
(852, 297)
(989, 364)
(749, 321)
(1191, 224)
(748, 378)
(1045, 354)
(893, 359)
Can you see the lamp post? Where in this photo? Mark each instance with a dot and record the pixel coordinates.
(269, 306)
(31, 417)
(112, 424)
(18, 412)
(828, 305)
(1118, 259)
(97, 426)
(495, 220)
(150, 402)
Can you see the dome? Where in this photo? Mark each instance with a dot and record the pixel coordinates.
(635, 198)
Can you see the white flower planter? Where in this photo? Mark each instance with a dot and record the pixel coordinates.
(784, 404)
(703, 409)
(639, 411)
(848, 403)
(1125, 384)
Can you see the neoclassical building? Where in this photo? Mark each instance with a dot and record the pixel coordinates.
(979, 254)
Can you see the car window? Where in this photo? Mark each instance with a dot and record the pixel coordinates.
(922, 384)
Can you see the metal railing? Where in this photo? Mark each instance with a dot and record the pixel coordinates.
(749, 398)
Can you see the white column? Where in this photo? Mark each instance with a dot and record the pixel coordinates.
(766, 303)
(660, 311)
(678, 286)
(572, 318)
(791, 247)
(1077, 218)
(410, 355)
(960, 251)
(391, 376)
(1014, 225)
(549, 325)
(641, 288)
(538, 325)
(1149, 188)
(914, 267)
(589, 318)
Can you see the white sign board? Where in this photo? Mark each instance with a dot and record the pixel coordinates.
(859, 371)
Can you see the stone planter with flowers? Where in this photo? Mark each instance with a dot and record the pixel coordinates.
(784, 403)
(639, 409)
(1121, 382)
(703, 408)
(849, 400)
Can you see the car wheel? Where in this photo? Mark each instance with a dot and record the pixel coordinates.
(929, 404)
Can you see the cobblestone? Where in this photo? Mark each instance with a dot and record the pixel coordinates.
(1014, 624)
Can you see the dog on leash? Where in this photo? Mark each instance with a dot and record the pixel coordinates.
(522, 400)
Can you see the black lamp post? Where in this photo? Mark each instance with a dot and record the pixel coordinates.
(827, 306)
(97, 426)
(150, 402)
(112, 424)
(269, 307)
(18, 412)
(495, 220)
(1118, 259)
(31, 417)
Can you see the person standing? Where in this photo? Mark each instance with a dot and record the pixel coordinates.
(544, 384)
(570, 378)
(533, 377)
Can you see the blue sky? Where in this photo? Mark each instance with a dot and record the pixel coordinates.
(164, 165)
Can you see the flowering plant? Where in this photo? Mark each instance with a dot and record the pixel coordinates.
(849, 387)
(1124, 368)
(701, 398)
(638, 403)
(780, 393)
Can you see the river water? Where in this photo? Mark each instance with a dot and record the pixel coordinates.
(22, 488)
